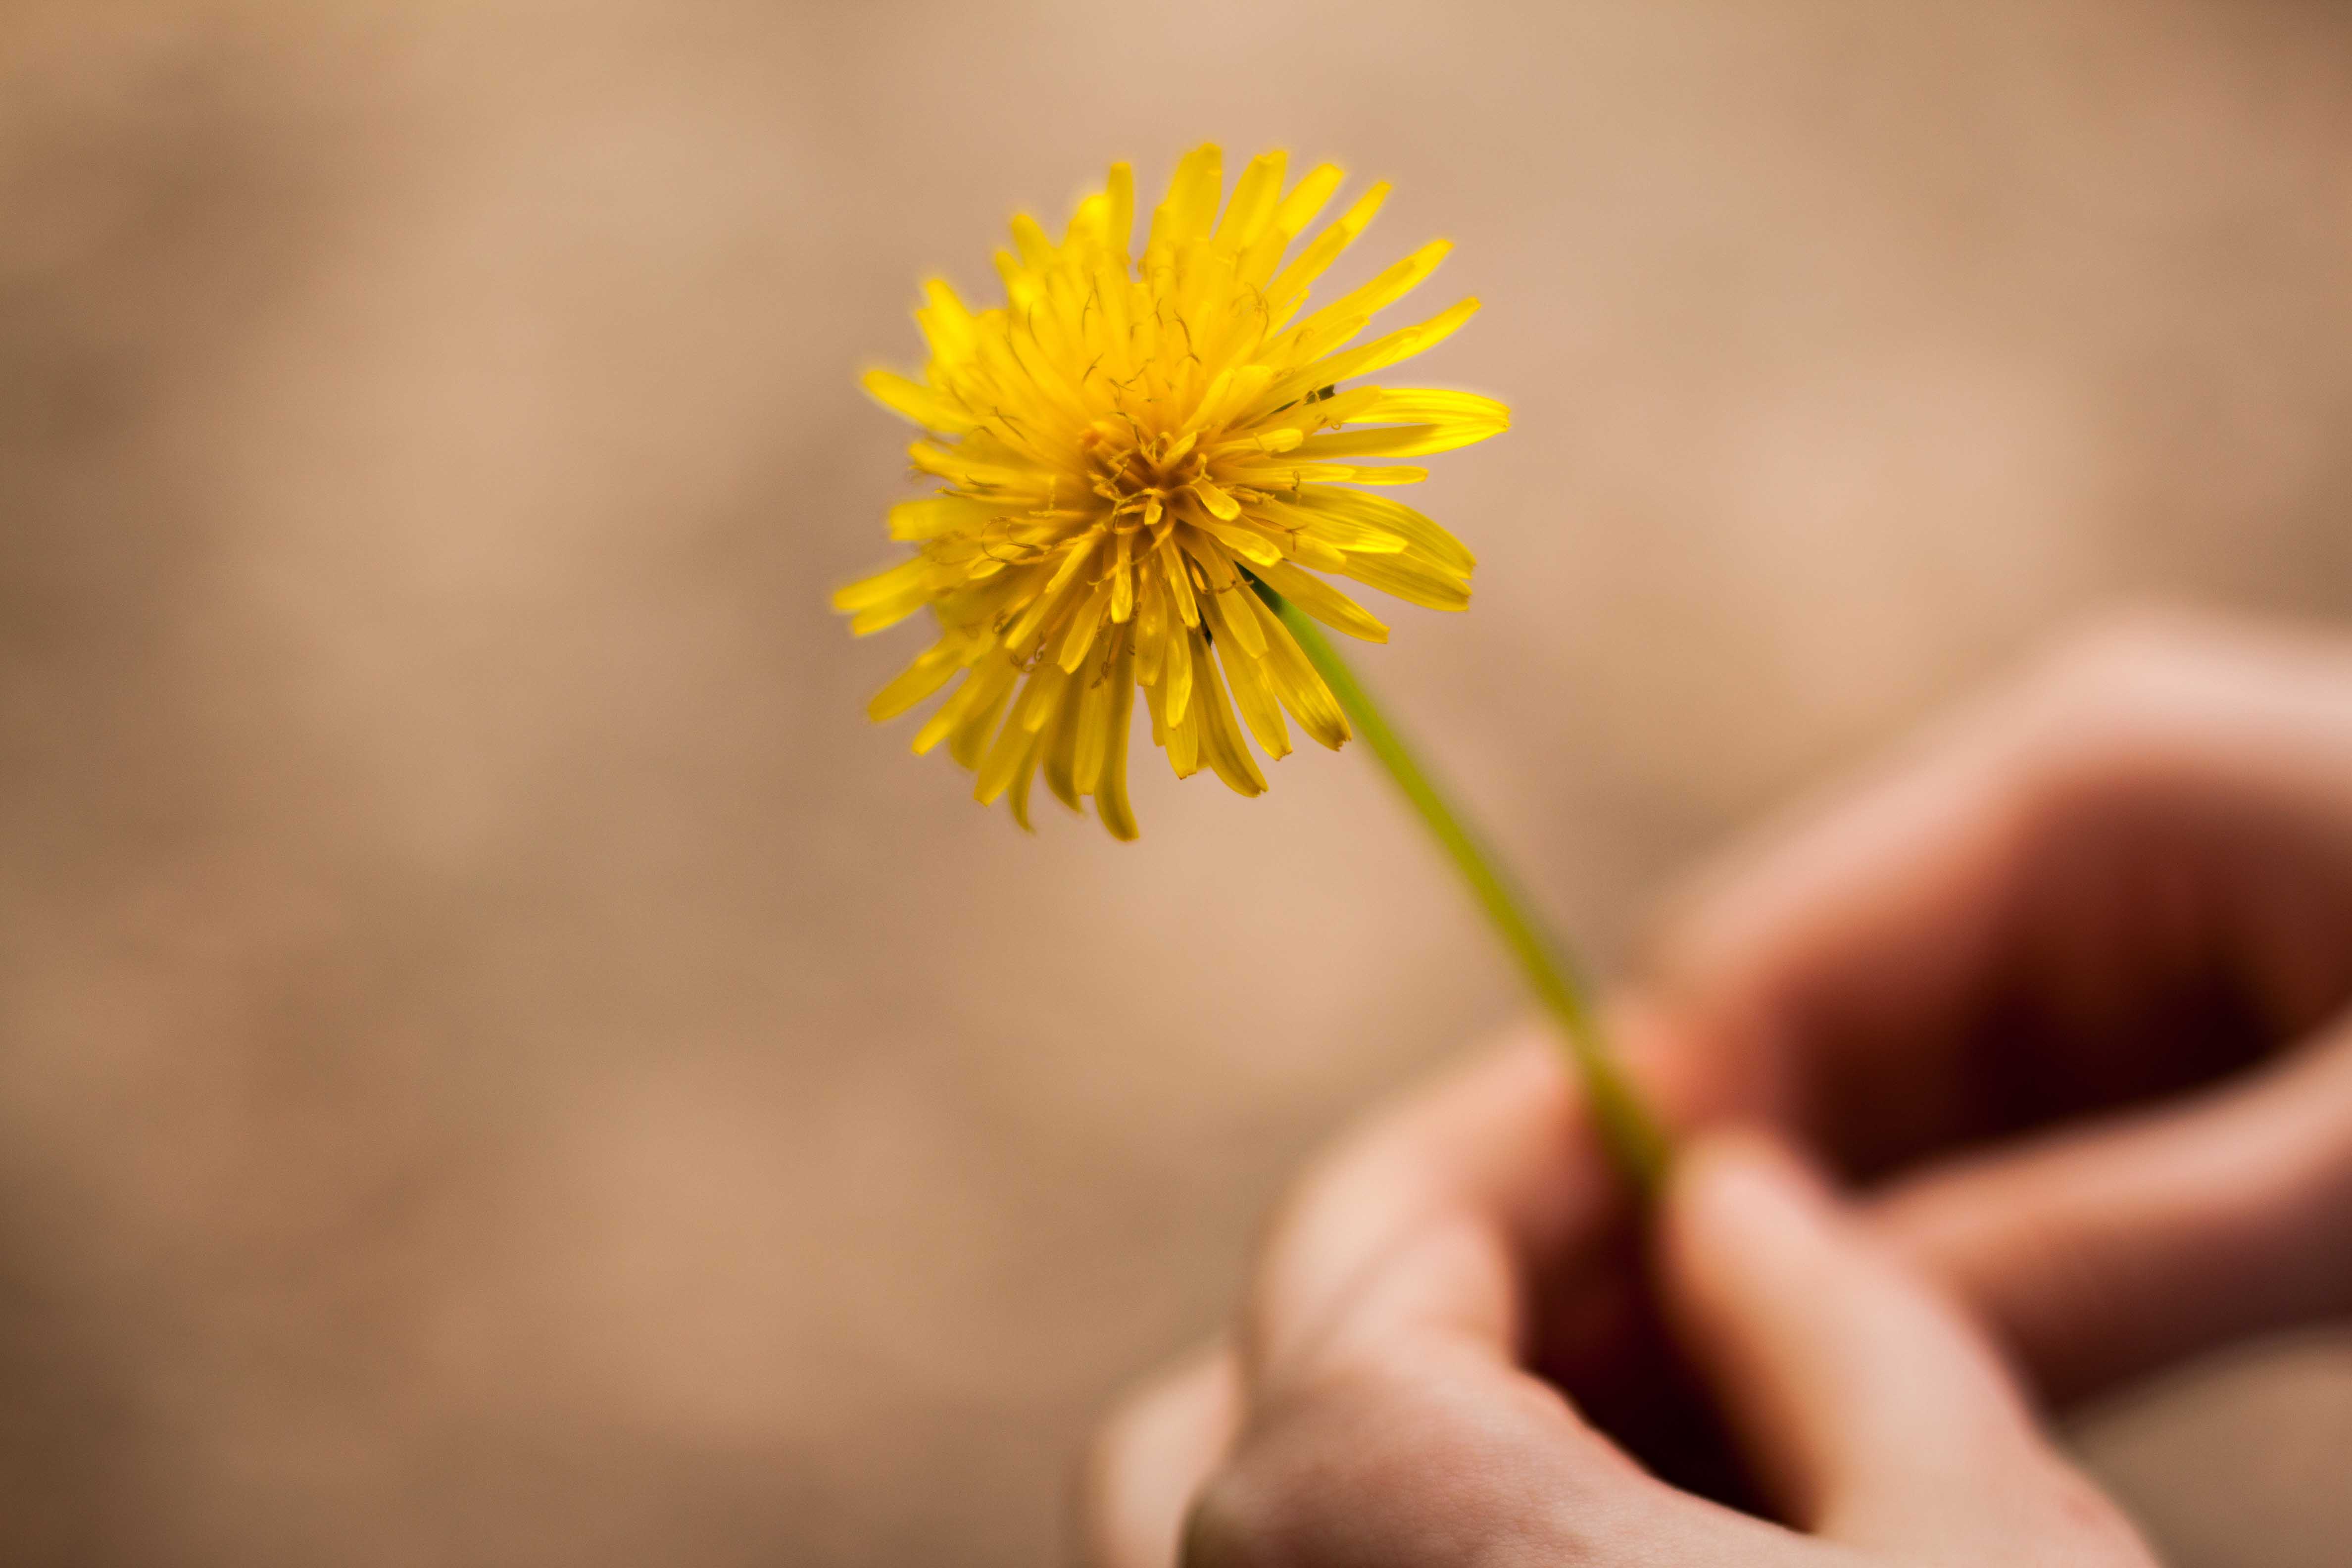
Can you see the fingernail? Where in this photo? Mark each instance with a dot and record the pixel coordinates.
(1750, 1182)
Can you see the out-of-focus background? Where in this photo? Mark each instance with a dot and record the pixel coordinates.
(503, 1066)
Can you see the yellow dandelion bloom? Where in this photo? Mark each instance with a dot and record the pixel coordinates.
(1126, 451)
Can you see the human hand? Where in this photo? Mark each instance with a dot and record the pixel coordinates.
(1396, 1420)
(2068, 979)
(1875, 980)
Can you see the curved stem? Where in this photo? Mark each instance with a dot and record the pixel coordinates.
(1633, 1131)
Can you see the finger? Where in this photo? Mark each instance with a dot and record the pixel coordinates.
(1499, 1161)
(1498, 1138)
(1150, 1458)
(1405, 1435)
(1434, 1455)
(2112, 1249)
(2123, 877)
(1389, 1409)
(1391, 1418)
(1874, 1413)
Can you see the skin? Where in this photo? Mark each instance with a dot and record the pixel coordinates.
(2012, 1070)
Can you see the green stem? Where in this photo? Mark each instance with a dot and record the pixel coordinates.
(1634, 1133)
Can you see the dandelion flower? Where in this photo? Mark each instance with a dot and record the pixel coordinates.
(1127, 452)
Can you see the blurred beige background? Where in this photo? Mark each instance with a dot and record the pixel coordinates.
(503, 1066)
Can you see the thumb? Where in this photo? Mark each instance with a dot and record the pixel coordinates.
(2106, 1248)
(1871, 1409)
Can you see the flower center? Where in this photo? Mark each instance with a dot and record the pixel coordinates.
(1140, 478)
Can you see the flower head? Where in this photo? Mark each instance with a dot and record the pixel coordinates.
(1127, 450)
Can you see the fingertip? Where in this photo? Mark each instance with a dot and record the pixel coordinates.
(1738, 1195)
(1869, 1405)
(1150, 1458)
(1747, 1244)
(1748, 1156)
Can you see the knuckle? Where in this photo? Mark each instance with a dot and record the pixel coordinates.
(1247, 1517)
(1295, 1497)
(2133, 698)
(2151, 669)
(2099, 684)
(2086, 1524)
(1379, 1465)
(2120, 644)
(1329, 1474)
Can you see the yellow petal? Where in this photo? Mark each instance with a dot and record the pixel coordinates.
(1307, 414)
(1090, 223)
(1110, 788)
(1078, 633)
(1392, 516)
(1299, 685)
(1230, 392)
(1094, 738)
(1393, 283)
(1332, 533)
(1325, 603)
(947, 326)
(1178, 575)
(1015, 750)
(1022, 287)
(1036, 250)
(1290, 287)
(1041, 694)
(926, 406)
(1242, 538)
(1306, 198)
(1176, 682)
(1253, 695)
(1284, 474)
(1255, 195)
(1265, 442)
(1388, 441)
(935, 516)
(1241, 644)
(1122, 221)
(886, 584)
(930, 672)
(1431, 404)
(1412, 579)
(1376, 355)
(1309, 550)
(1151, 618)
(1180, 738)
(1018, 797)
(1122, 586)
(1221, 737)
(885, 598)
(985, 688)
(969, 741)
(958, 466)
(1067, 580)
(1222, 507)
(1191, 200)
(1356, 473)
(1235, 627)
(1062, 745)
